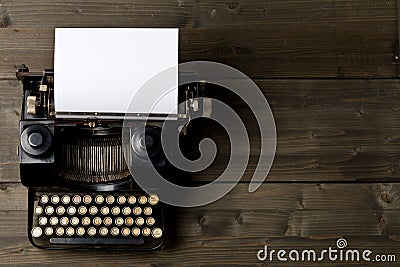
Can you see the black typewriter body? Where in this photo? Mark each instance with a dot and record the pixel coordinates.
(81, 193)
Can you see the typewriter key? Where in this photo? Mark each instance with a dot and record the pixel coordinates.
(128, 221)
(85, 221)
(146, 231)
(74, 221)
(97, 221)
(44, 199)
(65, 199)
(135, 231)
(71, 210)
(87, 199)
(139, 221)
(125, 231)
(55, 199)
(107, 221)
(131, 200)
(82, 210)
(60, 210)
(103, 231)
(142, 200)
(36, 232)
(147, 211)
(121, 200)
(76, 199)
(59, 231)
(70, 231)
(99, 199)
(80, 231)
(93, 210)
(150, 221)
(115, 210)
(53, 221)
(42, 221)
(48, 231)
(105, 210)
(64, 221)
(126, 211)
(153, 199)
(49, 210)
(137, 210)
(91, 231)
(119, 221)
(110, 199)
(156, 233)
(38, 210)
(114, 231)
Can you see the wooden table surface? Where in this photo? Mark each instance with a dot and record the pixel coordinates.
(327, 69)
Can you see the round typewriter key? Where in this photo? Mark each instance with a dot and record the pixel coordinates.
(131, 200)
(74, 221)
(150, 221)
(137, 210)
(48, 231)
(128, 221)
(147, 211)
(71, 210)
(97, 221)
(119, 221)
(115, 210)
(114, 231)
(156, 233)
(44, 199)
(76, 199)
(59, 231)
(121, 200)
(85, 221)
(93, 210)
(153, 199)
(105, 210)
(36, 232)
(87, 199)
(38, 210)
(99, 199)
(53, 221)
(103, 231)
(60, 210)
(146, 231)
(70, 231)
(91, 231)
(126, 211)
(110, 199)
(65, 199)
(80, 231)
(135, 231)
(64, 221)
(107, 221)
(125, 231)
(139, 221)
(42, 221)
(49, 210)
(82, 210)
(142, 200)
(55, 199)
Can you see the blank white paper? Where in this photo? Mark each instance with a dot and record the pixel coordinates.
(101, 69)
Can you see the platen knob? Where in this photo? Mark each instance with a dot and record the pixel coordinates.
(36, 140)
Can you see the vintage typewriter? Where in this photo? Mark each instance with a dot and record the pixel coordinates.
(81, 193)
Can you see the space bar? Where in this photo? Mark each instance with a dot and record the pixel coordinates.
(96, 241)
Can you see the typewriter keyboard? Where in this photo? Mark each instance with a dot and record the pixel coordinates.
(126, 220)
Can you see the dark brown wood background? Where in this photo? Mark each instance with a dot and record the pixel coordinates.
(327, 69)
